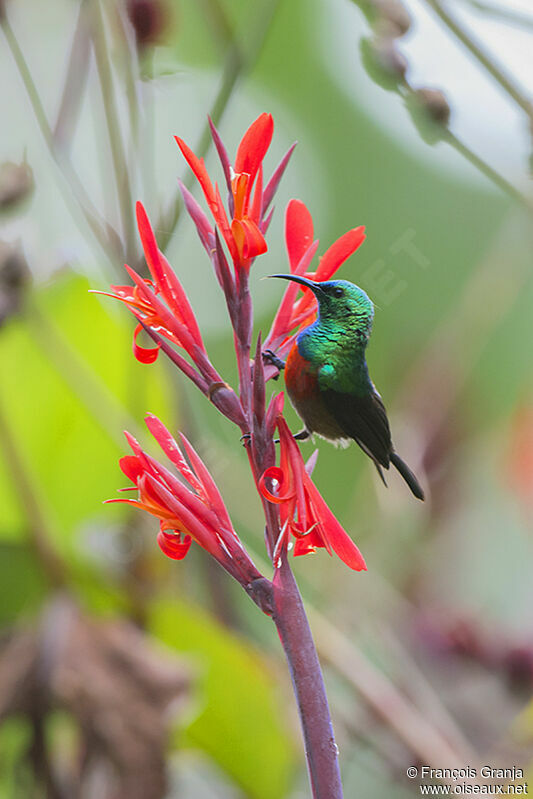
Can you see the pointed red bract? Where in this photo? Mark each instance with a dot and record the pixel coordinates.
(303, 511)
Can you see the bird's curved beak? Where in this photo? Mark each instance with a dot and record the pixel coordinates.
(304, 281)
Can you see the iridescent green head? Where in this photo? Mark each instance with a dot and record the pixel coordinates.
(339, 302)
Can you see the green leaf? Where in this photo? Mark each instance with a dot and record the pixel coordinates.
(70, 385)
(242, 723)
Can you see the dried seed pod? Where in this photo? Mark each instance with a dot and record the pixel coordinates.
(430, 112)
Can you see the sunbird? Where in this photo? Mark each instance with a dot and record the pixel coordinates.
(327, 378)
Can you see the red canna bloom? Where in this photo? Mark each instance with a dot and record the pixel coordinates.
(243, 228)
(303, 511)
(188, 510)
(296, 312)
(171, 316)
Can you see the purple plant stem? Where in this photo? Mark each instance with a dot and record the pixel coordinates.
(291, 621)
(297, 641)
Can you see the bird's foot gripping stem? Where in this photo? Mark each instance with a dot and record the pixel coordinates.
(270, 357)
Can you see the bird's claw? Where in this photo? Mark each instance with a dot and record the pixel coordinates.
(245, 439)
(270, 357)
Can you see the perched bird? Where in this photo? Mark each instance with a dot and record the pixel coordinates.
(327, 376)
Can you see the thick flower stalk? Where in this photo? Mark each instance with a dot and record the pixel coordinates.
(185, 500)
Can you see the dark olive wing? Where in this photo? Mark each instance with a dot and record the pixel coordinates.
(364, 419)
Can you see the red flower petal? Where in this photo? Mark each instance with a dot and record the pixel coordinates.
(275, 473)
(144, 354)
(198, 167)
(332, 531)
(298, 231)
(165, 277)
(339, 251)
(170, 447)
(204, 534)
(172, 545)
(248, 238)
(256, 210)
(254, 145)
(207, 482)
(131, 467)
(178, 301)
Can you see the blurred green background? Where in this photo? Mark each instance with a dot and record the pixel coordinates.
(428, 656)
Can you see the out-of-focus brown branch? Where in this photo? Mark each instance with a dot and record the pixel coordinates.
(117, 688)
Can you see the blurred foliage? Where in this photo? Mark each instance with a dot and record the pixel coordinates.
(236, 720)
(447, 261)
(56, 415)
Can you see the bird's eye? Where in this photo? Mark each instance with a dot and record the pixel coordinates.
(338, 291)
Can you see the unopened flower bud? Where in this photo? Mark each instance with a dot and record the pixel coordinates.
(16, 184)
(435, 104)
(430, 113)
(149, 19)
(383, 62)
(393, 19)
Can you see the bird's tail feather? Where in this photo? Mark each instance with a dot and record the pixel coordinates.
(407, 475)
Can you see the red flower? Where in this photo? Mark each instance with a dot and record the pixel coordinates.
(303, 512)
(174, 318)
(294, 314)
(188, 509)
(243, 230)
